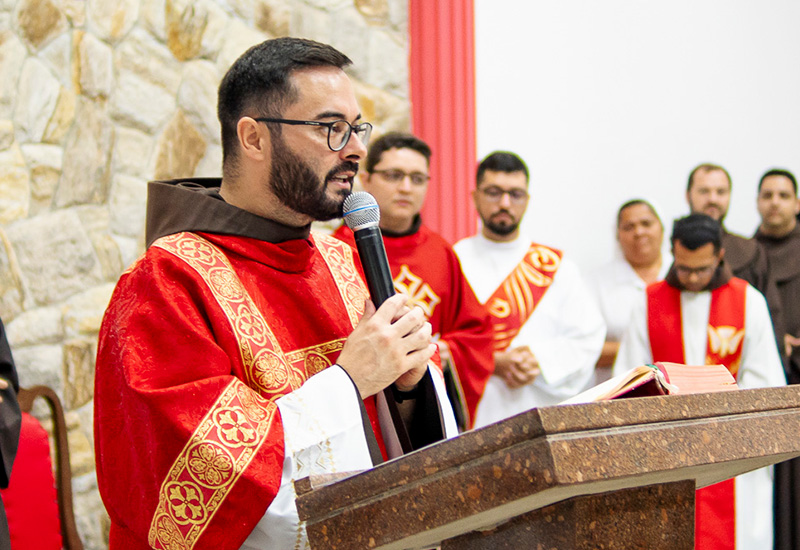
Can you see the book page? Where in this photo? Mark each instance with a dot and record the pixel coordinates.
(698, 378)
(614, 386)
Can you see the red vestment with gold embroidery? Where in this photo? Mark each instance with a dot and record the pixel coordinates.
(203, 333)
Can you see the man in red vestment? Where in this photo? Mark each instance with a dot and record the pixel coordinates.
(239, 353)
(701, 314)
(425, 267)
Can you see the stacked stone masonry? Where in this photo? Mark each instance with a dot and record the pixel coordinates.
(96, 98)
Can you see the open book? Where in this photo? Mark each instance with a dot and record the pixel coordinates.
(659, 379)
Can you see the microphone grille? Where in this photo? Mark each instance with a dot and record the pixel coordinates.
(360, 210)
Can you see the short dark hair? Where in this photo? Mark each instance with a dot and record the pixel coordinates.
(501, 161)
(635, 202)
(779, 172)
(257, 84)
(707, 167)
(395, 140)
(696, 230)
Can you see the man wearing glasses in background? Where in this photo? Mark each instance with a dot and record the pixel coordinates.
(701, 314)
(548, 332)
(425, 268)
(239, 353)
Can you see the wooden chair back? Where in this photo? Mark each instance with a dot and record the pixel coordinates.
(63, 470)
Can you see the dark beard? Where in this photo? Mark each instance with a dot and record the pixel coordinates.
(501, 229)
(298, 187)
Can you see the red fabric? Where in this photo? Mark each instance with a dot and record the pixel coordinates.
(664, 323)
(425, 267)
(727, 314)
(441, 57)
(715, 516)
(171, 361)
(514, 301)
(715, 505)
(30, 501)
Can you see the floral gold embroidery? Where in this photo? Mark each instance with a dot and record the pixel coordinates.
(250, 324)
(196, 249)
(210, 464)
(224, 282)
(168, 534)
(185, 502)
(233, 428)
(315, 363)
(251, 405)
(247, 323)
(339, 258)
(215, 456)
(269, 372)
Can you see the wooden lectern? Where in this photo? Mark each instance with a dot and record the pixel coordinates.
(611, 475)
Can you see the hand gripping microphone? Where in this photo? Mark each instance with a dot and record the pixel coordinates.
(361, 214)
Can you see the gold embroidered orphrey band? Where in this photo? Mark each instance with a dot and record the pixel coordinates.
(512, 304)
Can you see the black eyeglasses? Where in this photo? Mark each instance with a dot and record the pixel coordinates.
(339, 131)
(699, 271)
(495, 194)
(396, 176)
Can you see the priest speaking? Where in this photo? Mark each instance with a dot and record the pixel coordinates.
(240, 352)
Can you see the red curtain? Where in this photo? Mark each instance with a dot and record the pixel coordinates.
(442, 74)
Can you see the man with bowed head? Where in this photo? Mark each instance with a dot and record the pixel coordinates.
(425, 267)
(700, 314)
(547, 329)
(240, 352)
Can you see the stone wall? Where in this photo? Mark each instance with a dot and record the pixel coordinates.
(96, 98)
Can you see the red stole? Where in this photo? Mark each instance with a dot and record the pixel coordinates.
(514, 301)
(715, 527)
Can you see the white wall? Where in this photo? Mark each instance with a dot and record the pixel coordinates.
(615, 99)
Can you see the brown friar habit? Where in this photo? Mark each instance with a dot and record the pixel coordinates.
(783, 254)
(748, 260)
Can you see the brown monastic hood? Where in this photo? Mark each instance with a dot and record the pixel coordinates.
(196, 205)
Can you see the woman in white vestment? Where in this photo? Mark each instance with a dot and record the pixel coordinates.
(620, 284)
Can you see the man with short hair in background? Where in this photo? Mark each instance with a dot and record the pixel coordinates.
(709, 192)
(548, 332)
(779, 234)
(701, 314)
(425, 267)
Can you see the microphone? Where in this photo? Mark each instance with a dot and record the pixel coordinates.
(361, 214)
